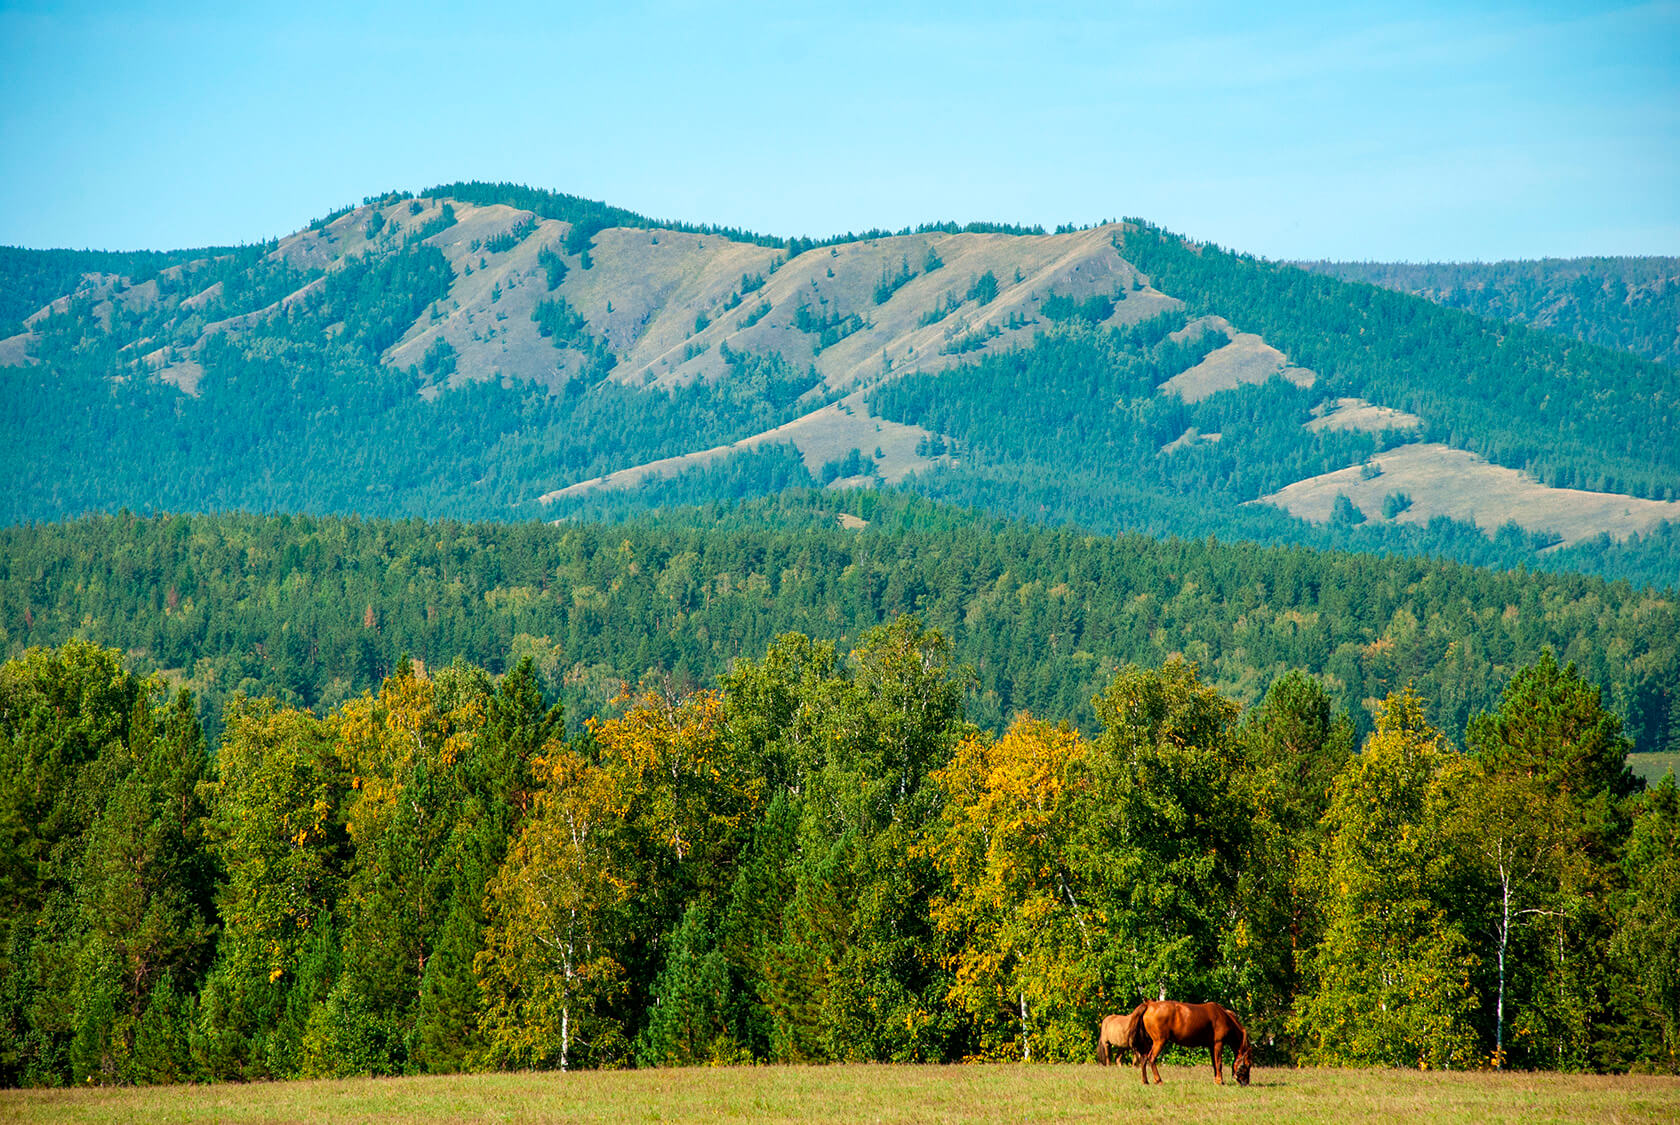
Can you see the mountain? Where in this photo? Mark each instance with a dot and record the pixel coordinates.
(1628, 303)
(492, 351)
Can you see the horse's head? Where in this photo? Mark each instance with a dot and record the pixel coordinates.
(1245, 1060)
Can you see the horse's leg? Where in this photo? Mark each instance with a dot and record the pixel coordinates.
(1218, 1057)
(1153, 1061)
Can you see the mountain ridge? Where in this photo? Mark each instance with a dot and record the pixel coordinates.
(638, 357)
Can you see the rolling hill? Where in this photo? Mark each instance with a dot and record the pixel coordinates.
(492, 351)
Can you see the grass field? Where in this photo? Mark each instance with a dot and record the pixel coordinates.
(1652, 766)
(882, 1094)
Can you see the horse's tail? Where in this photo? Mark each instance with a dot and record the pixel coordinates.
(1132, 1033)
(1135, 1035)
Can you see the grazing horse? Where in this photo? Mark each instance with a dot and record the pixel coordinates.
(1116, 1034)
(1190, 1025)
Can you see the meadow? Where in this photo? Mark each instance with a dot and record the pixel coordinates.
(1070, 1093)
(1651, 767)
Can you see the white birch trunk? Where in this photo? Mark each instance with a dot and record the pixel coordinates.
(1504, 939)
(566, 1008)
(1026, 1048)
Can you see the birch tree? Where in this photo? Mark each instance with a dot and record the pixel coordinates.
(1390, 981)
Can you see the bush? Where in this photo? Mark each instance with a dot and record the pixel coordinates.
(344, 1038)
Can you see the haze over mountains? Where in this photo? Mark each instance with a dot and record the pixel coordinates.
(491, 351)
(1627, 303)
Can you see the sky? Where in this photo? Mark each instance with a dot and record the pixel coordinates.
(1415, 132)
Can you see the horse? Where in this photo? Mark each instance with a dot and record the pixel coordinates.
(1160, 1022)
(1116, 1034)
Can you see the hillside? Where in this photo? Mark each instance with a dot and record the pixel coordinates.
(1631, 304)
(316, 611)
(490, 351)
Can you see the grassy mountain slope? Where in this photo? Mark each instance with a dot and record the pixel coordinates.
(30, 279)
(494, 351)
(1521, 398)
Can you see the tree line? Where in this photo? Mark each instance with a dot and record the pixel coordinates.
(821, 859)
(317, 610)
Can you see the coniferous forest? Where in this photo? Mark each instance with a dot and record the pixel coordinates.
(1632, 304)
(317, 610)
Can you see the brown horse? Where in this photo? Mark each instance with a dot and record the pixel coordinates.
(1212, 1026)
(1116, 1034)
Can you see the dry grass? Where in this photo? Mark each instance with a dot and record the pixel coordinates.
(884, 1094)
(1357, 414)
(1651, 767)
(1452, 482)
(824, 435)
(1246, 359)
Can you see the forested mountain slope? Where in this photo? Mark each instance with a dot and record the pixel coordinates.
(317, 610)
(30, 279)
(490, 351)
(1631, 304)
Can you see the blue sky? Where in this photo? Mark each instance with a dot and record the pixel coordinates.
(1418, 132)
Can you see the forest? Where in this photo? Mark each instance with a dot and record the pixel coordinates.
(1073, 430)
(1632, 304)
(317, 610)
(305, 773)
(821, 858)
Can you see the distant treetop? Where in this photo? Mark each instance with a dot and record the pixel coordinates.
(600, 216)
